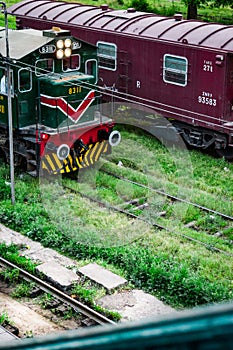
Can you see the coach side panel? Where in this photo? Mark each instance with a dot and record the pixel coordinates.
(179, 81)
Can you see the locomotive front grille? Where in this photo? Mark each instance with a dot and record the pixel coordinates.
(51, 164)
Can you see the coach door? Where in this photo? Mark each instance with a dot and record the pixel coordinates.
(231, 84)
(123, 72)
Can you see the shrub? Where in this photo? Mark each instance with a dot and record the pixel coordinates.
(141, 5)
(5, 189)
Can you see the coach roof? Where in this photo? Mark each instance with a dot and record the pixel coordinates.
(129, 21)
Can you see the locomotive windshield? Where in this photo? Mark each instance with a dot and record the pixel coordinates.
(71, 63)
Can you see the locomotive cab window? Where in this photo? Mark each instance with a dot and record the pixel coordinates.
(3, 82)
(107, 55)
(71, 63)
(25, 80)
(44, 66)
(175, 70)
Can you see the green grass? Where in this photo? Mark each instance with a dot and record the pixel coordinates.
(165, 263)
(11, 253)
(88, 294)
(10, 275)
(4, 319)
(23, 289)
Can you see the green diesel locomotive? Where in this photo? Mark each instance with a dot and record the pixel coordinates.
(57, 123)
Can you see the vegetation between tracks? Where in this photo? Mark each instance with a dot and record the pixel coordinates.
(180, 272)
(86, 291)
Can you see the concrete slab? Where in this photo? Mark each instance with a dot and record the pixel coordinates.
(33, 250)
(45, 254)
(12, 237)
(58, 274)
(134, 305)
(104, 277)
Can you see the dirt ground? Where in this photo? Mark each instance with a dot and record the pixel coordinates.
(30, 318)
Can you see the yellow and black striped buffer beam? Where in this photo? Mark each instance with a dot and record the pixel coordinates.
(53, 165)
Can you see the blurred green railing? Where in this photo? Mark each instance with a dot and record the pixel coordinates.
(203, 329)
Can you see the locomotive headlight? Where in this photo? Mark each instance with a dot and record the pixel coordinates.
(60, 44)
(63, 151)
(114, 138)
(60, 54)
(68, 43)
(67, 52)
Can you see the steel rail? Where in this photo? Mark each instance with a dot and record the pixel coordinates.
(65, 298)
(153, 224)
(224, 216)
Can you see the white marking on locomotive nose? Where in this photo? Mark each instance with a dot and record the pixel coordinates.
(66, 108)
(138, 85)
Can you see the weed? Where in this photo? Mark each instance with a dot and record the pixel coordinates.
(10, 275)
(12, 254)
(85, 295)
(69, 314)
(4, 318)
(228, 232)
(29, 334)
(23, 289)
(88, 296)
(113, 315)
(5, 189)
(211, 223)
(45, 300)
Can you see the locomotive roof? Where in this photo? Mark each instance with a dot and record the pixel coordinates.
(129, 21)
(22, 42)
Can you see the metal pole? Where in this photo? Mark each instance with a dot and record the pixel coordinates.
(10, 122)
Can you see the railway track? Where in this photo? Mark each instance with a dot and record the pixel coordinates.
(153, 224)
(59, 295)
(173, 198)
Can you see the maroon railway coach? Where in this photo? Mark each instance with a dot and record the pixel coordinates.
(182, 69)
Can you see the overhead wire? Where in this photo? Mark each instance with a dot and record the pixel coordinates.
(149, 105)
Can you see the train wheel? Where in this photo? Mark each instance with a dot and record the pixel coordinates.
(226, 153)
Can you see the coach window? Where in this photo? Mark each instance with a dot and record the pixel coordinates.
(44, 66)
(175, 70)
(91, 68)
(71, 63)
(107, 55)
(25, 79)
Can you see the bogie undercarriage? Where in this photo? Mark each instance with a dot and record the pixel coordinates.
(205, 139)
